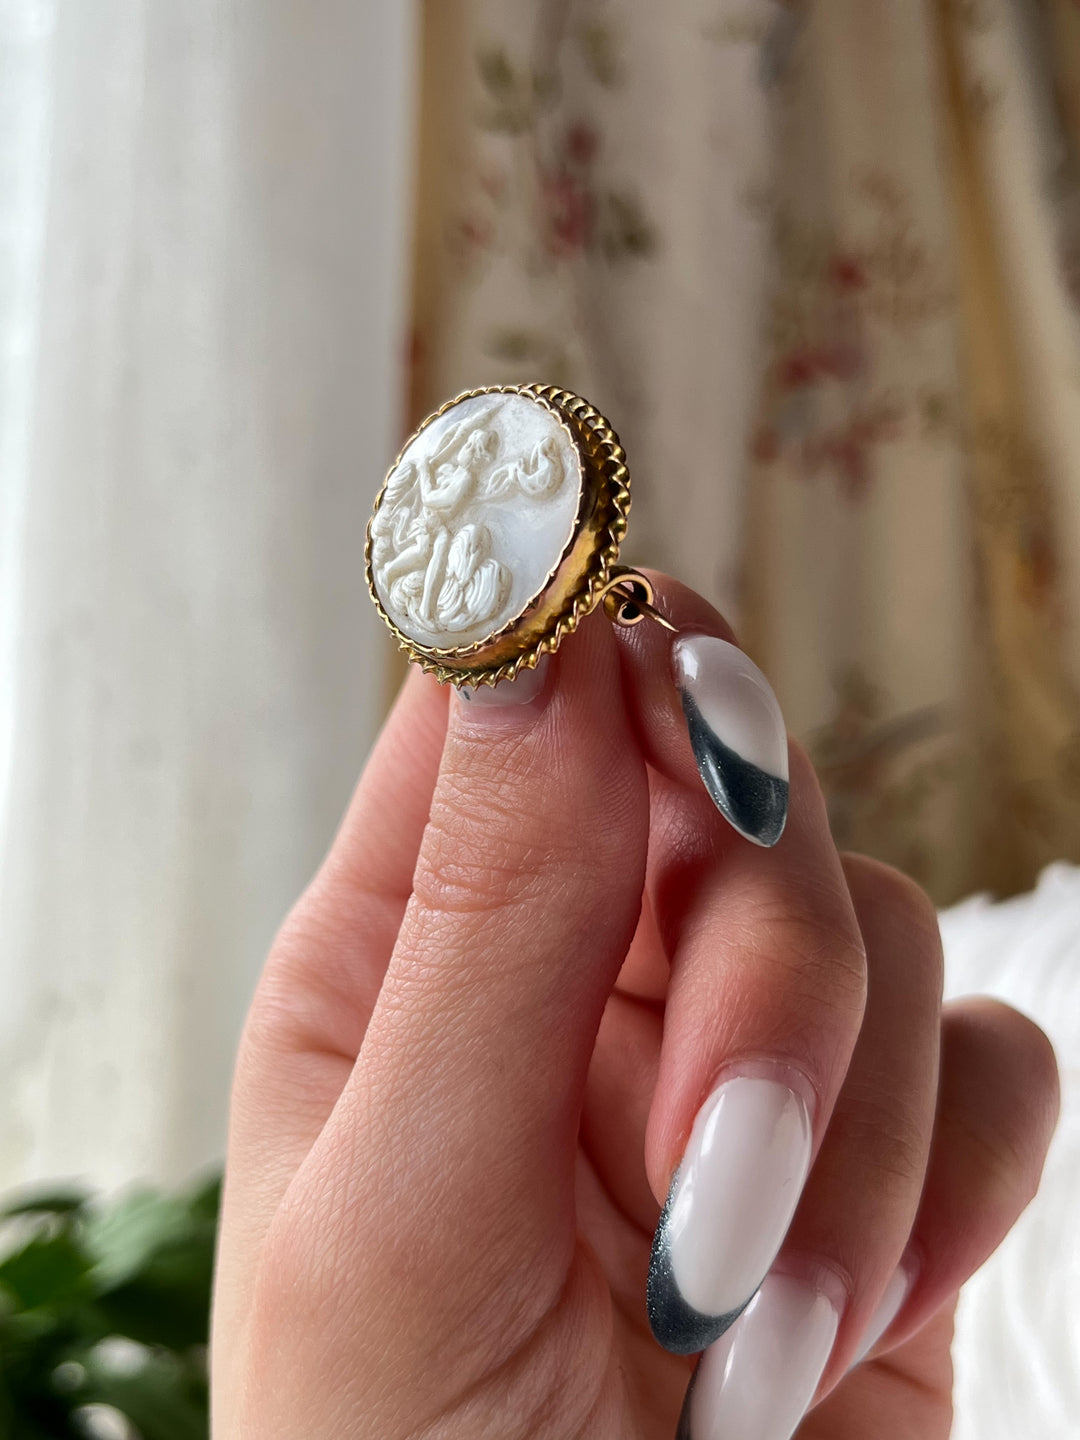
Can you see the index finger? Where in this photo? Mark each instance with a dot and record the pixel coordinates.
(766, 993)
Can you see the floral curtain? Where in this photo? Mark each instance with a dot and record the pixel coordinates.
(820, 264)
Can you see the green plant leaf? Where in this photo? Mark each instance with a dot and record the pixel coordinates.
(164, 1397)
(156, 1269)
(30, 1404)
(42, 1423)
(24, 1329)
(204, 1203)
(47, 1270)
(47, 1202)
(122, 1238)
(135, 1271)
(168, 1301)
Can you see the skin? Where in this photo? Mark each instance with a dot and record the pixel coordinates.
(479, 1043)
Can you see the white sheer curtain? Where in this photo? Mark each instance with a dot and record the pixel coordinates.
(204, 219)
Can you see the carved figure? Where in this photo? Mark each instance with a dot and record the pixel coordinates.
(431, 554)
(539, 476)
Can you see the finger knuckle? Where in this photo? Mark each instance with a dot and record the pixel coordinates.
(479, 854)
(821, 954)
(889, 892)
(892, 907)
(890, 1132)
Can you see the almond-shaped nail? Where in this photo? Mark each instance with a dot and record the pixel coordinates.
(728, 1209)
(737, 733)
(757, 1382)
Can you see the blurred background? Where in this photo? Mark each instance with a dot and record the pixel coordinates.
(818, 261)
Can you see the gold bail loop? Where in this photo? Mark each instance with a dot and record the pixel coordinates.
(628, 598)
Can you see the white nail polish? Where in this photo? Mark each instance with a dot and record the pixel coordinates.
(728, 1210)
(737, 732)
(888, 1307)
(757, 1382)
(525, 687)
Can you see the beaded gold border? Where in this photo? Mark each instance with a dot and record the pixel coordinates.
(587, 561)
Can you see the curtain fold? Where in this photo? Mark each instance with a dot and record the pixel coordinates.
(204, 325)
(818, 263)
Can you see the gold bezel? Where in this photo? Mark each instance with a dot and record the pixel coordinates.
(576, 582)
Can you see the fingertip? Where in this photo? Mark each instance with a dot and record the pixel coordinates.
(894, 910)
(647, 655)
(880, 888)
(591, 655)
(999, 1051)
(584, 669)
(997, 1109)
(706, 715)
(685, 608)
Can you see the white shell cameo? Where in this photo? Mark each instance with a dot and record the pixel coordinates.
(474, 518)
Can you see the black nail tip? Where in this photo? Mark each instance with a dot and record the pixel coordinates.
(754, 802)
(675, 1324)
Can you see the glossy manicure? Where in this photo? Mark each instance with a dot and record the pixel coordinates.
(728, 1209)
(737, 733)
(889, 1306)
(757, 1382)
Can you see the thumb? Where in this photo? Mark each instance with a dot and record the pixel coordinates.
(458, 1125)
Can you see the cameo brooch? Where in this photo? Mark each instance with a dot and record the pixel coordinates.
(498, 529)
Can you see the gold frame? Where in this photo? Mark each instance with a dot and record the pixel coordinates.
(583, 575)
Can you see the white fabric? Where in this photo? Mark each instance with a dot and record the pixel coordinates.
(203, 264)
(1017, 1349)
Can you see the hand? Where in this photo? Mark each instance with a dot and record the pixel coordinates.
(534, 954)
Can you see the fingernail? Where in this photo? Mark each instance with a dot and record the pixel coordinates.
(526, 688)
(728, 1209)
(757, 1382)
(888, 1307)
(737, 733)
